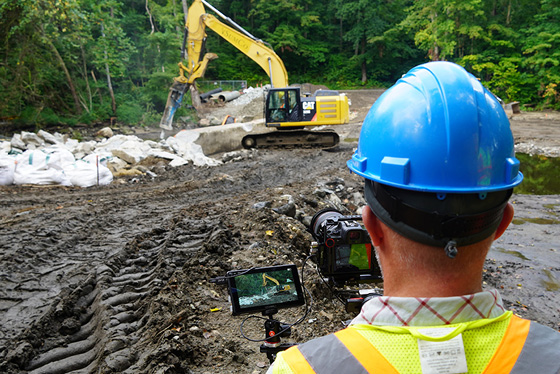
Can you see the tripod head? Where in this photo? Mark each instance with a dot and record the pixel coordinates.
(274, 331)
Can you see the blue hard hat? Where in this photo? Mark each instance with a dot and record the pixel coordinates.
(438, 130)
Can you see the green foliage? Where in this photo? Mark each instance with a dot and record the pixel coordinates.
(542, 48)
(57, 57)
(129, 111)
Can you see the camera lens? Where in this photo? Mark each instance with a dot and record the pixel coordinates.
(320, 217)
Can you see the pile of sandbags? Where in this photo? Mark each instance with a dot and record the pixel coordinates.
(53, 166)
(44, 158)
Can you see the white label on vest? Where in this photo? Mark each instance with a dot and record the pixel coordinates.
(446, 357)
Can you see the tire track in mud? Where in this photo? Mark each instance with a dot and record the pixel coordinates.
(104, 315)
(99, 323)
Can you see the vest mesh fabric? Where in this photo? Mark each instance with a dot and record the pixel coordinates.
(401, 350)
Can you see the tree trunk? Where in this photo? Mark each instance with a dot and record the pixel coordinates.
(109, 84)
(77, 107)
(150, 17)
(177, 28)
(97, 87)
(434, 53)
(341, 37)
(87, 80)
(185, 9)
(364, 65)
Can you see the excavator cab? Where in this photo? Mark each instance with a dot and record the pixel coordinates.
(283, 105)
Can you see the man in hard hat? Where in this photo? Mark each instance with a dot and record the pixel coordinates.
(437, 155)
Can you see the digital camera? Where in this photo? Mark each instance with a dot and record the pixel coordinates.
(342, 249)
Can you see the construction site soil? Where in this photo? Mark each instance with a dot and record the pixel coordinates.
(116, 279)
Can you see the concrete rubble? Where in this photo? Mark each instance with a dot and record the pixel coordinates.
(44, 158)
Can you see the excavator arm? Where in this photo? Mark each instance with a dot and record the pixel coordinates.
(279, 288)
(255, 49)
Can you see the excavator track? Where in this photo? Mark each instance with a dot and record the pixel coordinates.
(291, 139)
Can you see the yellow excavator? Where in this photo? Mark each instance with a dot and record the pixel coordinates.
(286, 108)
(278, 288)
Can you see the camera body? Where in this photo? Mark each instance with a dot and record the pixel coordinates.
(342, 249)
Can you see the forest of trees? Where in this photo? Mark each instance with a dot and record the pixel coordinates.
(86, 61)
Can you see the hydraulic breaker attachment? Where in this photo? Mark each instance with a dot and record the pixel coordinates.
(176, 93)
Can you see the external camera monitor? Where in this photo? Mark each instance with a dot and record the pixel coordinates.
(258, 289)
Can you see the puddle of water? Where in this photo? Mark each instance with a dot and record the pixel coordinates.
(552, 284)
(513, 253)
(540, 175)
(538, 221)
(553, 208)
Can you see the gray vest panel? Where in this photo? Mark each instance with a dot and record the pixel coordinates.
(541, 352)
(328, 355)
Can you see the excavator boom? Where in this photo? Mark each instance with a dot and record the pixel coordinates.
(197, 21)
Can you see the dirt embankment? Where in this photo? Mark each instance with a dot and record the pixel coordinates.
(116, 278)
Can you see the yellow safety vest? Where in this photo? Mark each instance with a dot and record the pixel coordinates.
(526, 347)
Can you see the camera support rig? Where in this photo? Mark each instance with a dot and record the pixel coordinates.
(344, 256)
(274, 331)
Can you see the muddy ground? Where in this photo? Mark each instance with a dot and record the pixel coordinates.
(117, 278)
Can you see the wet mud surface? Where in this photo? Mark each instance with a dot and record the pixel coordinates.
(116, 279)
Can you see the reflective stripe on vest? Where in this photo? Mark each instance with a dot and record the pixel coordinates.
(527, 347)
(509, 349)
(345, 351)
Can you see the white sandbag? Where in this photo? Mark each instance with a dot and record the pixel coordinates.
(99, 156)
(84, 174)
(33, 157)
(58, 157)
(7, 168)
(5, 146)
(29, 174)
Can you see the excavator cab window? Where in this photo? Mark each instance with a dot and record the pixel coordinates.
(277, 106)
(293, 105)
(283, 105)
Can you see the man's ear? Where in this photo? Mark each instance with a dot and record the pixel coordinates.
(372, 224)
(506, 220)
